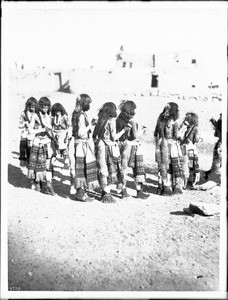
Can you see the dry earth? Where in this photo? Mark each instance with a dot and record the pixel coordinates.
(58, 244)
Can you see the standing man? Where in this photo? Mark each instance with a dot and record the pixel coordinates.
(83, 166)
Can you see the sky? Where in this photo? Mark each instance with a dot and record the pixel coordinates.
(69, 35)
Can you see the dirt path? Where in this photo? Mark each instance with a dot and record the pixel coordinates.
(58, 244)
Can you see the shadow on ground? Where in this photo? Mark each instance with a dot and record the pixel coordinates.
(47, 275)
(150, 186)
(16, 153)
(16, 177)
(179, 213)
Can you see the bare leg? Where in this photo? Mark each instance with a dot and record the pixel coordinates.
(197, 178)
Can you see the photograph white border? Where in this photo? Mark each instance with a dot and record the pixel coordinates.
(222, 294)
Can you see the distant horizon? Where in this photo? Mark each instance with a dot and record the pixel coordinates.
(181, 52)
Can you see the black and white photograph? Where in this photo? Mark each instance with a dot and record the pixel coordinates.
(113, 150)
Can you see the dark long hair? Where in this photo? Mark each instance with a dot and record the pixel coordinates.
(127, 112)
(170, 111)
(74, 121)
(217, 125)
(44, 101)
(82, 102)
(81, 105)
(108, 110)
(29, 102)
(192, 119)
(58, 107)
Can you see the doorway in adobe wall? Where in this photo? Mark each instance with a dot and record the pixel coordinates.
(154, 81)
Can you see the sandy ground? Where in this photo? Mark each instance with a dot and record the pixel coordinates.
(58, 244)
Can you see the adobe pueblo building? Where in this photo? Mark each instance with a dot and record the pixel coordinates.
(184, 74)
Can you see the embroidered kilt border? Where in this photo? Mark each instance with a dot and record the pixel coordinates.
(176, 167)
(193, 161)
(80, 167)
(85, 170)
(114, 167)
(37, 162)
(136, 162)
(86, 173)
(37, 159)
(91, 171)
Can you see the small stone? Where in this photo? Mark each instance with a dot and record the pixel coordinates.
(30, 274)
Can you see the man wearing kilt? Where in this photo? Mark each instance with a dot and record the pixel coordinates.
(107, 150)
(168, 153)
(130, 148)
(83, 166)
(43, 151)
(189, 137)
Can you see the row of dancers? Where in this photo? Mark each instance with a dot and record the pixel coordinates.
(100, 152)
